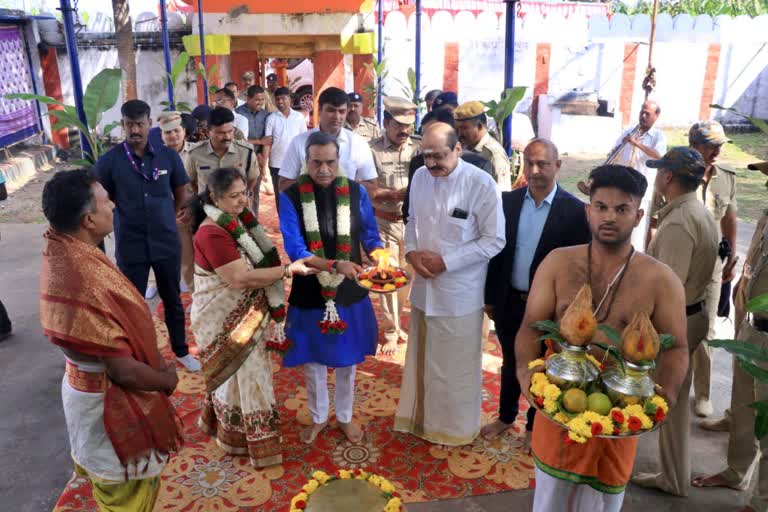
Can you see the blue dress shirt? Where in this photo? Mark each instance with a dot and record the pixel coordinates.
(530, 225)
(145, 210)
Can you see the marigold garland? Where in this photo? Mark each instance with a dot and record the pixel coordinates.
(588, 424)
(331, 322)
(248, 233)
(321, 478)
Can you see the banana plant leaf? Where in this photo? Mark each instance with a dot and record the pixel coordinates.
(759, 123)
(755, 371)
(758, 304)
(741, 348)
(34, 97)
(101, 94)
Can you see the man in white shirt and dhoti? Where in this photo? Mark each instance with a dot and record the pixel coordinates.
(456, 225)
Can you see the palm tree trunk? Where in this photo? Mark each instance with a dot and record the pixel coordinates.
(125, 52)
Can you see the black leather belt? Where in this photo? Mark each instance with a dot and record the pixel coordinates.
(761, 324)
(694, 308)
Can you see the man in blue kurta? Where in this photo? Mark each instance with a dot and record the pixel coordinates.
(317, 215)
(147, 184)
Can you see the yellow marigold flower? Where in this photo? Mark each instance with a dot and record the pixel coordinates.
(550, 406)
(560, 417)
(577, 438)
(345, 474)
(311, 486)
(633, 410)
(536, 362)
(389, 287)
(386, 486)
(302, 496)
(552, 392)
(592, 359)
(321, 476)
(646, 421)
(401, 280)
(366, 283)
(393, 505)
(578, 426)
(363, 475)
(607, 425)
(590, 416)
(660, 402)
(375, 480)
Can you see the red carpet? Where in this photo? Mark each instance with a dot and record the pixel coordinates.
(203, 478)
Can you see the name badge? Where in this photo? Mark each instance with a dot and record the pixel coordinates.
(162, 171)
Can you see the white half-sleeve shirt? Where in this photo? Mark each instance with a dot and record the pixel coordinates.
(355, 156)
(283, 130)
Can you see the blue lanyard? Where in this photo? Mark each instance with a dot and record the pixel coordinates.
(140, 170)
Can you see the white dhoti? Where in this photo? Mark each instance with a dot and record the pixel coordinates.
(555, 495)
(441, 391)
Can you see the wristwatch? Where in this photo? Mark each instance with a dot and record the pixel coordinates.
(335, 266)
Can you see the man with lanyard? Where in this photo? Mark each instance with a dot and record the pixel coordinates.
(392, 154)
(539, 218)
(222, 150)
(122, 427)
(254, 110)
(593, 476)
(456, 226)
(472, 127)
(355, 156)
(147, 183)
(751, 329)
(686, 240)
(282, 126)
(633, 149)
(718, 193)
(365, 127)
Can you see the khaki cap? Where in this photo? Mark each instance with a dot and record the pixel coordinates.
(759, 166)
(169, 121)
(402, 110)
(248, 75)
(468, 110)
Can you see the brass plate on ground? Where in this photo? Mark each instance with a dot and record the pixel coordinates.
(347, 496)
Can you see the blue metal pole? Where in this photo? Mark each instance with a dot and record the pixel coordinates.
(509, 69)
(201, 33)
(74, 64)
(379, 59)
(167, 54)
(417, 69)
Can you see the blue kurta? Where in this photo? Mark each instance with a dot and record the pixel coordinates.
(309, 345)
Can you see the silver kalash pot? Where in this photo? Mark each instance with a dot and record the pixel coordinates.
(630, 386)
(571, 368)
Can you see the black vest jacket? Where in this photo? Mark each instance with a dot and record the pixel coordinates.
(305, 290)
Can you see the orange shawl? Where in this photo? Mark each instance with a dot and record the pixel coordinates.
(87, 305)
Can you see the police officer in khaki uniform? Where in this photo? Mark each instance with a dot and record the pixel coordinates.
(687, 241)
(718, 192)
(743, 447)
(365, 127)
(222, 150)
(472, 128)
(392, 154)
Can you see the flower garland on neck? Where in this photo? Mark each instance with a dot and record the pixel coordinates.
(331, 322)
(263, 254)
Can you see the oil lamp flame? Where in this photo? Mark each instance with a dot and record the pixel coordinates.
(383, 267)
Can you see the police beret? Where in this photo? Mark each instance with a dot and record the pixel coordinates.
(468, 110)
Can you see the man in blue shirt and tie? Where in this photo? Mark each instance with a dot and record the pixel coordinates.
(147, 183)
(540, 217)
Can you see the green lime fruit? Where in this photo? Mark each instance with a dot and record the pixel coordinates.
(575, 400)
(599, 403)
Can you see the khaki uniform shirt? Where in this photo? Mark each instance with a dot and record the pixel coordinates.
(184, 153)
(203, 160)
(754, 277)
(490, 149)
(719, 195)
(687, 241)
(367, 129)
(392, 166)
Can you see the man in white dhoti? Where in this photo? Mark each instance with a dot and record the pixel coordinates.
(456, 225)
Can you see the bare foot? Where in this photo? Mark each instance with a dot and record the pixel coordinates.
(309, 434)
(404, 336)
(717, 480)
(527, 442)
(494, 429)
(389, 348)
(353, 431)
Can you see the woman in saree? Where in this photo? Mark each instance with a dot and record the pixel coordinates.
(239, 290)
